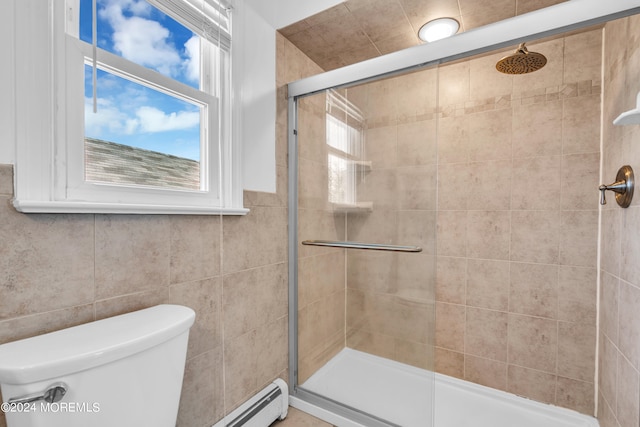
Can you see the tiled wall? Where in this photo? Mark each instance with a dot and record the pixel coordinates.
(62, 270)
(321, 275)
(518, 170)
(390, 296)
(619, 356)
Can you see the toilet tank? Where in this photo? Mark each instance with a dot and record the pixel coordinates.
(123, 371)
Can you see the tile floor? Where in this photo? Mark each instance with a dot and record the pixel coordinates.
(297, 418)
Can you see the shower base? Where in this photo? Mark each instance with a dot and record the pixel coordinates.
(402, 394)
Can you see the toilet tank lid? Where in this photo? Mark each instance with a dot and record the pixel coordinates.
(92, 344)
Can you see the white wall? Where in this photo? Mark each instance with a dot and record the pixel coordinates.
(7, 77)
(254, 61)
(280, 13)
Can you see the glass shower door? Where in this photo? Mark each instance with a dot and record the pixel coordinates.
(366, 226)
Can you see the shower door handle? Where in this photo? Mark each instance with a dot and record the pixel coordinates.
(360, 245)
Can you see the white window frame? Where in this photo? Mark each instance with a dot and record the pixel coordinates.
(50, 132)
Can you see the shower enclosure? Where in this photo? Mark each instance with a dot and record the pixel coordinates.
(381, 153)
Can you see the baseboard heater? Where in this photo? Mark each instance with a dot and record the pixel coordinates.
(267, 406)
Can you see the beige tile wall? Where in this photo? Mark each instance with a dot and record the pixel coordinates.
(518, 165)
(619, 363)
(321, 275)
(62, 270)
(390, 296)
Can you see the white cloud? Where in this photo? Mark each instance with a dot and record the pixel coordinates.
(111, 120)
(108, 120)
(143, 41)
(151, 120)
(192, 64)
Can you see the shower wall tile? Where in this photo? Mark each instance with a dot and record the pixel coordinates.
(382, 146)
(533, 342)
(581, 124)
(488, 284)
(486, 372)
(537, 385)
(628, 396)
(451, 279)
(449, 362)
(576, 395)
(453, 186)
(416, 187)
(540, 189)
(418, 228)
(452, 233)
(629, 323)
(576, 357)
(484, 177)
(417, 143)
(450, 326)
(630, 245)
(535, 236)
(579, 177)
(609, 303)
(534, 290)
(486, 334)
(608, 371)
(453, 140)
(578, 238)
(488, 234)
(453, 85)
(580, 66)
(577, 294)
(490, 135)
(530, 238)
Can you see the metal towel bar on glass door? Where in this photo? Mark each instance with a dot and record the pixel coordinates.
(359, 245)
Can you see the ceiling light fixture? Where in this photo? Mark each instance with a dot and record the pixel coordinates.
(438, 29)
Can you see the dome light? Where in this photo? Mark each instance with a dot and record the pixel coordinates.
(438, 29)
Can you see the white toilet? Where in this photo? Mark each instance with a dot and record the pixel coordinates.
(123, 371)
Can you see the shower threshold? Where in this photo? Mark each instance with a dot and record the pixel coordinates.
(403, 395)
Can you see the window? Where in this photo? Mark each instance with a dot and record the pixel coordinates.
(142, 117)
(345, 143)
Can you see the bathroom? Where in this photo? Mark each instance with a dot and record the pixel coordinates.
(60, 270)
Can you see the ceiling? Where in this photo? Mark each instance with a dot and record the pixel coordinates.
(357, 30)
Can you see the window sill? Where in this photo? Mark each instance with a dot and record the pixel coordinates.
(30, 206)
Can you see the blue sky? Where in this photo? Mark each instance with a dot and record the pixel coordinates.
(129, 113)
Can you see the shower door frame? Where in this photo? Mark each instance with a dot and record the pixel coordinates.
(552, 20)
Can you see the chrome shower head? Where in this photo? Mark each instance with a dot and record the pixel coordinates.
(521, 62)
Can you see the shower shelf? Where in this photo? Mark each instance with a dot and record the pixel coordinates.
(361, 165)
(359, 207)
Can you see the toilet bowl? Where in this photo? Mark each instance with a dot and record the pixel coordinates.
(123, 371)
